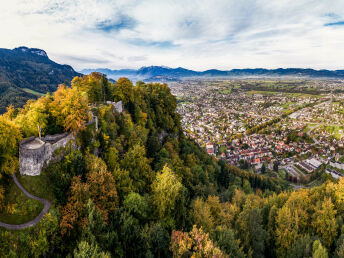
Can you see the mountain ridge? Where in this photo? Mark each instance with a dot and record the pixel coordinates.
(27, 73)
(151, 72)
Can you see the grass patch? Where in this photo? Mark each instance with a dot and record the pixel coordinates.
(334, 130)
(37, 185)
(39, 94)
(18, 207)
(226, 91)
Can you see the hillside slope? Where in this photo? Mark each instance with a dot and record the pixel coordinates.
(26, 72)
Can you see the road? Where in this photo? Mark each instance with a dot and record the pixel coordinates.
(33, 222)
(309, 133)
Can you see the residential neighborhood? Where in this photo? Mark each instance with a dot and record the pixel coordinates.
(267, 126)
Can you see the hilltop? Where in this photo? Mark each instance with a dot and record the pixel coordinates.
(27, 73)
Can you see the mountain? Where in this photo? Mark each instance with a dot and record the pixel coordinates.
(161, 73)
(28, 73)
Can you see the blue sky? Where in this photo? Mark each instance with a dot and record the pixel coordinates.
(195, 34)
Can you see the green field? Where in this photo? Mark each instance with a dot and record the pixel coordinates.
(334, 130)
(39, 94)
(290, 94)
(226, 91)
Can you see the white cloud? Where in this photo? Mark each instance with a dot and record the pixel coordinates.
(197, 34)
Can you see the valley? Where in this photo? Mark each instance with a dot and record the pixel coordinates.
(290, 129)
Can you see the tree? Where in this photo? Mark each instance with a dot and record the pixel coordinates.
(70, 107)
(10, 136)
(100, 187)
(85, 250)
(324, 221)
(134, 213)
(124, 91)
(167, 189)
(138, 166)
(287, 227)
(247, 187)
(275, 167)
(263, 170)
(302, 248)
(318, 250)
(225, 239)
(194, 244)
(35, 113)
(95, 85)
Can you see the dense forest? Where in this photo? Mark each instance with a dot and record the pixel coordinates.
(138, 187)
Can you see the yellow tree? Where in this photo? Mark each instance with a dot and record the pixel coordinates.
(70, 107)
(35, 113)
(95, 85)
(10, 136)
(324, 221)
(166, 191)
(287, 227)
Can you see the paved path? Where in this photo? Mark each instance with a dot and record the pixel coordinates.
(33, 222)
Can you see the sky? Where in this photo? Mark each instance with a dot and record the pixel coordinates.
(194, 34)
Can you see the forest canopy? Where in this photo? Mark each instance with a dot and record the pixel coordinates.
(138, 187)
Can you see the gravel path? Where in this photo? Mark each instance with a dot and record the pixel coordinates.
(33, 222)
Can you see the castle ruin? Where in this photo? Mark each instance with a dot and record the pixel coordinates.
(34, 153)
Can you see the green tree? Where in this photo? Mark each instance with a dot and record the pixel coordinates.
(138, 166)
(85, 250)
(124, 91)
(318, 250)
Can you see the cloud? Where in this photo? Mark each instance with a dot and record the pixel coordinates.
(339, 23)
(123, 22)
(196, 34)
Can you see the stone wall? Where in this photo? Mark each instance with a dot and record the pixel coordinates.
(117, 105)
(35, 153)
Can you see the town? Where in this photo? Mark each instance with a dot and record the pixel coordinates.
(291, 129)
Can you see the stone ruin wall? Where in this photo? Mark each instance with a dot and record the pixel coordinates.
(32, 161)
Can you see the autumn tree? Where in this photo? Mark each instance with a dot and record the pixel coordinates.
(167, 189)
(70, 107)
(10, 136)
(95, 85)
(324, 221)
(194, 244)
(100, 187)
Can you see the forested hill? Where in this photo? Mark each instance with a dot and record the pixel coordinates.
(27, 72)
(138, 187)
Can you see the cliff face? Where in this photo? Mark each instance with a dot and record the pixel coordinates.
(35, 153)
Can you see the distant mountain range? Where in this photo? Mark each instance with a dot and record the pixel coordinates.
(28, 73)
(158, 73)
